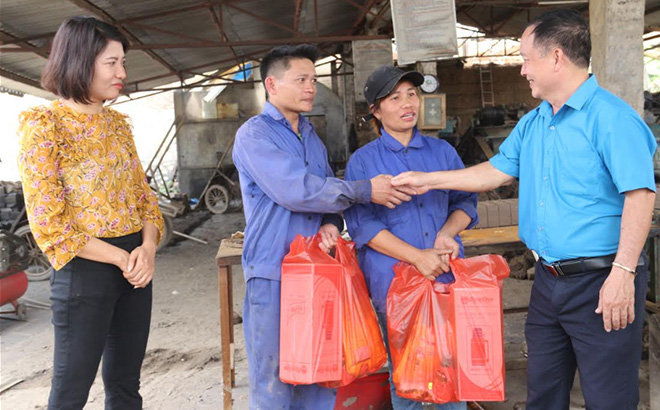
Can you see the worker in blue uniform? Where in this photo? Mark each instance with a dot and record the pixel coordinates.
(424, 231)
(584, 159)
(288, 189)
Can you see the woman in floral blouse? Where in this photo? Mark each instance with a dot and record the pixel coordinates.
(92, 212)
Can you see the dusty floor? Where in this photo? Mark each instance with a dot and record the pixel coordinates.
(182, 369)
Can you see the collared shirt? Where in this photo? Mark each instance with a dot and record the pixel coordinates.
(287, 186)
(81, 178)
(574, 168)
(416, 222)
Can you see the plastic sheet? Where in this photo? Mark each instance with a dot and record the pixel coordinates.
(329, 333)
(446, 340)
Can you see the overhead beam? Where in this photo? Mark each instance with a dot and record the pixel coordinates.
(23, 44)
(198, 67)
(161, 30)
(265, 41)
(296, 16)
(217, 20)
(259, 18)
(92, 8)
(518, 3)
(366, 9)
(20, 78)
(506, 20)
(362, 14)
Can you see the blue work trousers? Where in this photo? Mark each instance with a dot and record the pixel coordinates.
(261, 325)
(97, 313)
(401, 403)
(564, 333)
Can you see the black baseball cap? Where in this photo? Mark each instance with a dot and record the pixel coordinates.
(382, 81)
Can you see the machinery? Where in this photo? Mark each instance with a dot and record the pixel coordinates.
(14, 259)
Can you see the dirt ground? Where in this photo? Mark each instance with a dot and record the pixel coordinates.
(182, 368)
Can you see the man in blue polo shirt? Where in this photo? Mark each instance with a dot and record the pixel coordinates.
(288, 189)
(584, 162)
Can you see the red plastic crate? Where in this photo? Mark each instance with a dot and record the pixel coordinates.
(367, 393)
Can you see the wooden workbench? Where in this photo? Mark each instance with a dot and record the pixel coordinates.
(229, 254)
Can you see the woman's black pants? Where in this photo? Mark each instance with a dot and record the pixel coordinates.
(97, 313)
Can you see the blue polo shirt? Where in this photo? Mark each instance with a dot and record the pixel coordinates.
(416, 222)
(287, 186)
(574, 168)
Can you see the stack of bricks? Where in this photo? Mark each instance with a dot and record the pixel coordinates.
(496, 213)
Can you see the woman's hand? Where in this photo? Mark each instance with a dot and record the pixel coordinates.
(430, 263)
(141, 265)
(447, 245)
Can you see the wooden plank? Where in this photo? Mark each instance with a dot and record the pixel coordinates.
(226, 324)
(490, 236)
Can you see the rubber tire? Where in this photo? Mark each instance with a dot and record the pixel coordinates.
(217, 199)
(168, 232)
(36, 271)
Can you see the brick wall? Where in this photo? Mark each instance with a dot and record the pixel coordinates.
(463, 90)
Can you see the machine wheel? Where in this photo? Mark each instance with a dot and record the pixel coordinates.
(168, 232)
(39, 268)
(217, 199)
(21, 311)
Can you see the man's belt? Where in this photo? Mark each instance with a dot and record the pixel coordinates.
(581, 265)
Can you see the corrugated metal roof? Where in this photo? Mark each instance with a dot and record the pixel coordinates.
(250, 26)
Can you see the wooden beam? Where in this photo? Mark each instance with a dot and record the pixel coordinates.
(92, 8)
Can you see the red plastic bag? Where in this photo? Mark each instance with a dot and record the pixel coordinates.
(446, 340)
(477, 317)
(310, 331)
(329, 332)
(419, 335)
(362, 342)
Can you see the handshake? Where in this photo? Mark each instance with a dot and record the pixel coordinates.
(392, 191)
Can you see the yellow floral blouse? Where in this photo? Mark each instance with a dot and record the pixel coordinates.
(81, 178)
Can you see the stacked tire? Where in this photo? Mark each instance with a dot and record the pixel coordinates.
(11, 214)
(11, 203)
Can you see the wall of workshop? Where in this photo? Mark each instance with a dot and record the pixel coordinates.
(203, 139)
(463, 90)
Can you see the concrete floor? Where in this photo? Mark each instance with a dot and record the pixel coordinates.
(182, 368)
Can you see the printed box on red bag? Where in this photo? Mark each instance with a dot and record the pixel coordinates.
(479, 348)
(310, 328)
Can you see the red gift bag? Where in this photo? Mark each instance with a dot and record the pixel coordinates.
(310, 329)
(362, 342)
(329, 332)
(477, 317)
(446, 340)
(420, 337)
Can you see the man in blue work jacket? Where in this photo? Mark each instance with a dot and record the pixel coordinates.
(584, 162)
(288, 189)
